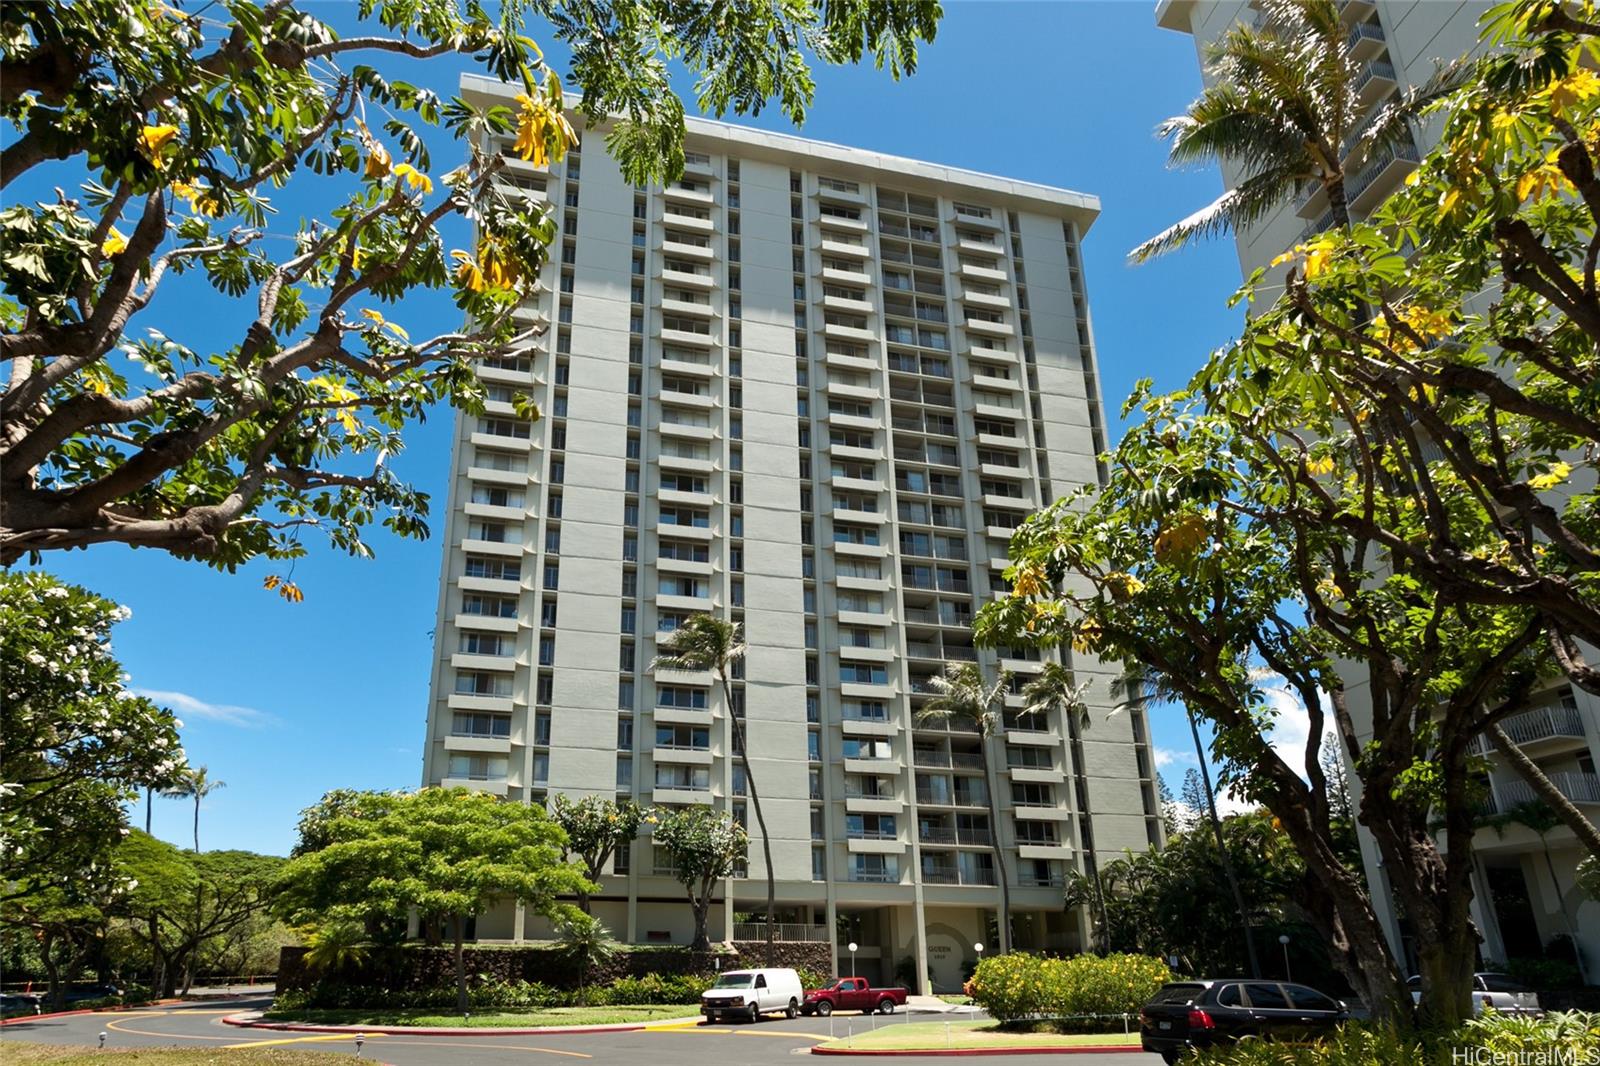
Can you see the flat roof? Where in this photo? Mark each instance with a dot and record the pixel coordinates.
(747, 142)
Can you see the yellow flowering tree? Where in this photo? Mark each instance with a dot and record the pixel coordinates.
(125, 422)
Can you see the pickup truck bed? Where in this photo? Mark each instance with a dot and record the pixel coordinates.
(852, 993)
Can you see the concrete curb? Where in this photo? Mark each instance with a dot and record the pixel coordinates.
(21, 1019)
(1083, 1049)
(242, 1022)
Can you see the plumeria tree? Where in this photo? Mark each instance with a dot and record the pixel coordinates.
(77, 745)
(705, 847)
(597, 827)
(187, 119)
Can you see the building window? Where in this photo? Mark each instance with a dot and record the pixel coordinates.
(625, 695)
(547, 651)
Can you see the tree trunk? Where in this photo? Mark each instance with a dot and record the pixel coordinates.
(1222, 848)
(459, 928)
(148, 794)
(1586, 831)
(755, 806)
(197, 824)
(1433, 886)
(999, 856)
(55, 995)
(700, 903)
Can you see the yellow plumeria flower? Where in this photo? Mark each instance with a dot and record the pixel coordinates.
(114, 244)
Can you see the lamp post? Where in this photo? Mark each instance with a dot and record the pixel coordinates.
(1283, 939)
(852, 945)
(978, 947)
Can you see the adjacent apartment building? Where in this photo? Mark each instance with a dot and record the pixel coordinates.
(1524, 891)
(814, 389)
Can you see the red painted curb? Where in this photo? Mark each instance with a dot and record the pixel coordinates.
(22, 1018)
(403, 1030)
(1082, 1049)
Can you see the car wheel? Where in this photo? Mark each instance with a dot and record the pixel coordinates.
(824, 1008)
(885, 1005)
(791, 1010)
(1171, 1056)
(755, 1013)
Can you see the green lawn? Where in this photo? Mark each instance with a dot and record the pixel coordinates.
(21, 1054)
(960, 1001)
(504, 1019)
(969, 1036)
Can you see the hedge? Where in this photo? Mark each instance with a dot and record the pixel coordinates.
(1020, 986)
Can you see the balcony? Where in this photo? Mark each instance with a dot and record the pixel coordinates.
(1366, 41)
(1376, 80)
(1035, 881)
(787, 932)
(940, 875)
(1533, 727)
(875, 877)
(1380, 176)
(1581, 788)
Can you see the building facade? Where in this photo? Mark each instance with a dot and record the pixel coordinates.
(1525, 893)
(813, 389)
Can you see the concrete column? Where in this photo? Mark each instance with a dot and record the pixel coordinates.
(919, 917)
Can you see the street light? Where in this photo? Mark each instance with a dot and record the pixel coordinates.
(102, 1039)
(1283, 938)
(852, 945)
(978, 947)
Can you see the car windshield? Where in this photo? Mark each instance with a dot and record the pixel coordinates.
(733, 980)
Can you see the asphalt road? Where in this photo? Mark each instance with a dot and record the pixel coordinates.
(770, 1042)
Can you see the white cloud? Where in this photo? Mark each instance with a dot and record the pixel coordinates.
(1166, 757)
(1290, 729)
(187, 706)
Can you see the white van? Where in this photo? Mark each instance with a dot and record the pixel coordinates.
(751, 993)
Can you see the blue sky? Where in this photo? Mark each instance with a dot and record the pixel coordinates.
(285, 701)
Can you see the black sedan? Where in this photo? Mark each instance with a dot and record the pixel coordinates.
(1204, 1013)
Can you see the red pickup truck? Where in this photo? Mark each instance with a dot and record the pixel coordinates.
(852, 993)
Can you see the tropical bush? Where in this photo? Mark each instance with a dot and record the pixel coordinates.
(1572, 1036)
(1019, 986)
(657, 988)
(491, 993)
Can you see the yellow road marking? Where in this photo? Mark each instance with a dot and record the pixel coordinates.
(321, 1038)
(693, 1028)
(496, 1047)
(120, 1027)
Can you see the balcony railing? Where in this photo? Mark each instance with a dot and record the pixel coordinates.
(1542, 723)
(1364, 31)
(938, 834)
(940, 875)
(974, 837)
(875, 877)
(1577, 786)
(789, 932)
(1035, 881)
(873, 834)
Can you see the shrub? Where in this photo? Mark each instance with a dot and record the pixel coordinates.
(810, 979)
(1572, 1036)
(655, 988)
(1019, 986)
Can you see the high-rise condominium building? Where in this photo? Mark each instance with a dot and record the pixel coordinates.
(1522, 900)
(812, 389)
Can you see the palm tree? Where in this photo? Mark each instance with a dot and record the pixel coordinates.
(964, 697)
(705, 642)
(586, 943)
(1140, 687)
(1281, 109)
(1055, 688)
(195, 783)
